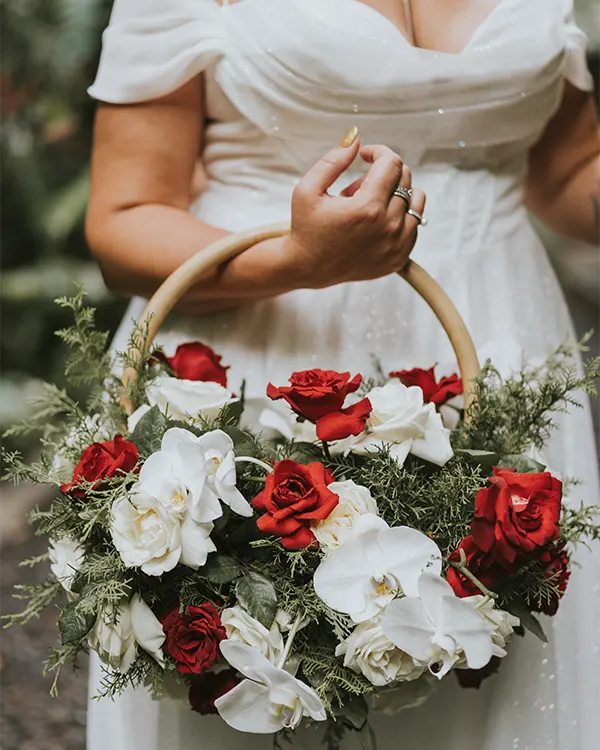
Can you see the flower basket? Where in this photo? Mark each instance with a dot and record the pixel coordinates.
(341, 554)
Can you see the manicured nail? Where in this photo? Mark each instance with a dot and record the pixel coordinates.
(350, 137)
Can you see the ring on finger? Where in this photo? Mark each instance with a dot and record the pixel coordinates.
(419, 217)
(404, 193)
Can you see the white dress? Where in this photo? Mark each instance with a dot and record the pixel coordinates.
(286, 79)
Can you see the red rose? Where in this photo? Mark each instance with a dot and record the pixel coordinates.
(294, 495)
(556, 571)
(210, 686)
(434, 391)
(193, 637)
(517, 515)
(481, 564)
(196, 361)
(319, 395)
(101, 461)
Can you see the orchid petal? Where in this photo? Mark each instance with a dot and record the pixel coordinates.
(408, 553)
(248, 708)
(196, 543)
(147, 630)
(408, 627)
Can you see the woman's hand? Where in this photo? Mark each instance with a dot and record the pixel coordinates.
(365, 232)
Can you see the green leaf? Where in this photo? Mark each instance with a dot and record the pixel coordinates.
(231, 413)
(485, 459)
(244, 443)
(306, 452)
(148, 432)
(257, 596)
(354, 713)
(521, 464)
(74, 624)
(518, 607)
(220, 569)
(367, 738)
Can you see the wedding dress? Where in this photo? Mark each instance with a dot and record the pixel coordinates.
(285, 80)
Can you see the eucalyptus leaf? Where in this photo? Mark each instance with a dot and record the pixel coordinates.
(258, 597)
(485, 459)
(148, 432)
(232, 413)
(367, 738)
(245, 445)
(354, 713)
(74, 623)
(306, 452)
(521, 464)
(518, 607)
(220, 569)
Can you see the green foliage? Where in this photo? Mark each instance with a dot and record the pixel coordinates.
(511, 414)
(258, 597)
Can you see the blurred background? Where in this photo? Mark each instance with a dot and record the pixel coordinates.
(49, 53)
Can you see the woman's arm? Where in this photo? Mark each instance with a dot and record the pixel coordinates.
(139, 226)
(562, 186)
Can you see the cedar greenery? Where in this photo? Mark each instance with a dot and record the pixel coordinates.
(512, 415)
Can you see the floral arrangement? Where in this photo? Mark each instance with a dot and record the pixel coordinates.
(346, 549)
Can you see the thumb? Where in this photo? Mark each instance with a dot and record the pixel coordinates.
(320, 177)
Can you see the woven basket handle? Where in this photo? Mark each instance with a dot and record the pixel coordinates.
(181, 280)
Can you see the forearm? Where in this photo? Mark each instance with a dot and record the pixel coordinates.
(140, 246)
(574, 211)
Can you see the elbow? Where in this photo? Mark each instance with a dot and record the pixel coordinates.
(99, 242)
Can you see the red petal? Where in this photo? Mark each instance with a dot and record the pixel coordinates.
(302, 539)
(340, 425)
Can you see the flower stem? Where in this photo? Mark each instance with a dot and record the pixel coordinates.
(250, 460)
(461, 566)
(326, 450)
(290, 639)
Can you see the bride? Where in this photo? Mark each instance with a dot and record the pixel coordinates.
(482, 105)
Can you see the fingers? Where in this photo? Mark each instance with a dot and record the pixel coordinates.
(329, 168)
(383, 176)
(417, 204)
(398, 205)
(353, 187)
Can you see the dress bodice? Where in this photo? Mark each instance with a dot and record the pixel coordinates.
(290, 76)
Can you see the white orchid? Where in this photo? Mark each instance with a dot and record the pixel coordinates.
(241, 627)
(269, 699)
(116, 638)
(150, 537)
(181, 399)
(369, 651)
(66, 557)
(403, 423)
(504, 623)
(278, 423)
(363, 575)
(219, 456)
(354, 501)
(438, 628)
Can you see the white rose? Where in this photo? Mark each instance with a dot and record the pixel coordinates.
(148, 536)
(116, 638)
(401, 422)
(66, 558)
(188, 398)
(369, 651)
(354, 501)
(239, 626)
(278, 424)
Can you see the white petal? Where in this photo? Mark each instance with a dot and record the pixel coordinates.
(250, 662)
(435, 445)
(399, 451)
(147, 629)
(408, 553)
(281, 425)
(225, 481)
(408, 627)
(217, 440)
(470, 630)
(196, 543)
(134, 418)
(248, 708)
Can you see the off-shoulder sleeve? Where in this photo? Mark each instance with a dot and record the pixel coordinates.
(576, 69)
(152, 47)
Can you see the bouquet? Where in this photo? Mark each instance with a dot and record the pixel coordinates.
(340, 550)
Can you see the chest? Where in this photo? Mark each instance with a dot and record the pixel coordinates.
(443, 25)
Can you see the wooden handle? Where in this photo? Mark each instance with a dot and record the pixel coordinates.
(181, 280)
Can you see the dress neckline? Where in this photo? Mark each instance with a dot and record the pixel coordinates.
(479, 29)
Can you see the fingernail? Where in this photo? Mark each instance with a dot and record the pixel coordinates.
(350, 137)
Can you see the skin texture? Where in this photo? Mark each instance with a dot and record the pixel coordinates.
(140, 230)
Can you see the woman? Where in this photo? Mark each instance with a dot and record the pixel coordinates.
(481, 104)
